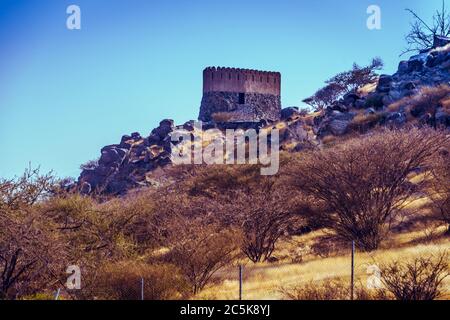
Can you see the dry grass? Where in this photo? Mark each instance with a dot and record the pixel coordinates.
(264, 281)
(368, 88)
(329, 140)
(426, 100)
(364, 121)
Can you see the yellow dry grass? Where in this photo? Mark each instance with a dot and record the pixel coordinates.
(368, 88)
(264, 280)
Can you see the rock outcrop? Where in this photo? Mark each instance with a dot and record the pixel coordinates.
(124, 166)
(390, 103)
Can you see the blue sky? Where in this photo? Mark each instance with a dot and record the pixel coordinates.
(64, 94)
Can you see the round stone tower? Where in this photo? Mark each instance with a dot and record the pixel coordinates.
(241, 94)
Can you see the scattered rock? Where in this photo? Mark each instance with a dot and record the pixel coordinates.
(403, 67)
(288, 113)
(341, 107)
(442, 118)
(370, 111)
(384, 83)
(111, 154)
(360, 104)
(350, 98)
(165, 127)
(396, 119)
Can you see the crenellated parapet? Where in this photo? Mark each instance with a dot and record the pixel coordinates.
(219, 79)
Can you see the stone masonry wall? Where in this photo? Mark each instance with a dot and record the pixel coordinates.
(256, 106)
(247, 95)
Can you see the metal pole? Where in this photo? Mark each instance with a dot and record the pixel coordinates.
(142, 288)
(353, 271)
(57, 294)
(240, 282)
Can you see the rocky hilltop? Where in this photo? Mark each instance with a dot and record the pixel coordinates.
(417, 93)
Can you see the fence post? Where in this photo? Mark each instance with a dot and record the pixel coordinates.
(353, 272)
(57, 294)
(142, 288)
(240, 282)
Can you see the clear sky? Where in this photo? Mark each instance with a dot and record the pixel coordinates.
(64, 94)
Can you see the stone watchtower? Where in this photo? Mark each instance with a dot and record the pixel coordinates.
(240, 94)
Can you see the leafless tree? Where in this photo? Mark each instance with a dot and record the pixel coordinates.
(197, 244)
(358, 186)
(422, 33)
(264, 215)
(200, 250)
(262, 208)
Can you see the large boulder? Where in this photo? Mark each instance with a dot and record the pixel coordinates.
(403, 67)
(335, 123)
(440, 41)
(338, 127)
(136, 136)
(289, 113)
(384, 83)
(188, 125)
(340, 107)
(111, 154)
(165, 127)
(350, 98)
(417, 62)
(85, 188)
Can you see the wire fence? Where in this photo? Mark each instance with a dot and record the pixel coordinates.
(138, 288)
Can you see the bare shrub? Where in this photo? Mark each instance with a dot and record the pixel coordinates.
(359, 186)
(324, 96)
(264, 217)
(97, 233)
(31, 254)
(419, 279)
(358, 76)
(261, 207)
(343, 83)
(196, 242)
(334, 289)
(200, 251)
(123, 281)
(95, 229)
(363, 122)
(439, 187)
